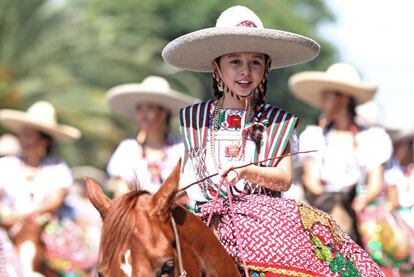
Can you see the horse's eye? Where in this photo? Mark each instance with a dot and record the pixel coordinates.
(167, 267)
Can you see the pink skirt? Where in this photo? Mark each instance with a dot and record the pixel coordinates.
(280, 237)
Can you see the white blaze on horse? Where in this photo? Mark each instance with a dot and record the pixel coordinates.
(138, 237)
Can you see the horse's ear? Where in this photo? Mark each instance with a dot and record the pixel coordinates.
(164, 198)
(97, 196)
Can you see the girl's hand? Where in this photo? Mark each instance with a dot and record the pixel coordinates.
(231, 175)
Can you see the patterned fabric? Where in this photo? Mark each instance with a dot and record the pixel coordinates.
(67, 250)
(278, 236)
(128, 162)
(299, 240)
(196, 125)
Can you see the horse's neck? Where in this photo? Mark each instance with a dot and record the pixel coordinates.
(198, 238)
(28, 244)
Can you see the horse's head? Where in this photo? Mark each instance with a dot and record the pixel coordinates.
(137, 238)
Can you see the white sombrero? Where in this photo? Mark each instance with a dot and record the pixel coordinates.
(123, 99)
(309, 85)
(9, 145)
(40, 116)
(238, 29)
(401, 134)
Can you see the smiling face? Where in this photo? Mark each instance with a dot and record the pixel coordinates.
(242, 72)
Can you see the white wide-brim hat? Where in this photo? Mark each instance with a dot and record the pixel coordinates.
(123, 99)
(309, 85)
(40, 116)
(401, 134)
(9, 145)
(238, 29)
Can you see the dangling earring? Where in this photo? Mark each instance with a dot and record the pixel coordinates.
(220, 86)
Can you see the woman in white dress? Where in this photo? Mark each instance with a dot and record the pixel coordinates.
(148, 158)
(399, 178)
(35, 182)
(350, 157)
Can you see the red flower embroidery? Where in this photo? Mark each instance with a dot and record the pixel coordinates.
(247, 23)
(234, 121)
(231, 151)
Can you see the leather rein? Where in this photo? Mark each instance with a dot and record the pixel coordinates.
(183, 273)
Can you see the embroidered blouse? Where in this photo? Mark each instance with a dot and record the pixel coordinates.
(403, 178)
(127, 162)
(207, 150)
(343, 160)
(21, 195)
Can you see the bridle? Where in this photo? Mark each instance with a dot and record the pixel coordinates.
(183, 273)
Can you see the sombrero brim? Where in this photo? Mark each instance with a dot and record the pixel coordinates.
(308, 87)
(123, 100)
(17, 120)
(401, 135)
(195, 51)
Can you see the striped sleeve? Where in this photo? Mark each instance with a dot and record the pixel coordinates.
(280, 128)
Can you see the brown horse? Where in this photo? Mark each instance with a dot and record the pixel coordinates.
(138, 238)
(26, 237)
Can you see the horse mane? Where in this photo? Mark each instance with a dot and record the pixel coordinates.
(118, 226)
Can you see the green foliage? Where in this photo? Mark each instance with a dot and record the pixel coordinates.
(71, 52)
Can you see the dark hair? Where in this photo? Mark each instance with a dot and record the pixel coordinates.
(50, 142)
(168, 124)
(216, 93)
(351, 107)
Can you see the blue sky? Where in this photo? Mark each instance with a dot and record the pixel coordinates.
(377, 37)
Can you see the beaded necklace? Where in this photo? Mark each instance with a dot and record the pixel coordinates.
(216, 126)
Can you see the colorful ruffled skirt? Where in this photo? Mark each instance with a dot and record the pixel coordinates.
(388, 239)
(280, 237)
(67, 250)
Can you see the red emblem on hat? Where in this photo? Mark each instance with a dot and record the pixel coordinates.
(247, 23)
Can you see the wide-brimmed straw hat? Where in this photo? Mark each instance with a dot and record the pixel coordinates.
(9, 145)
(238, 29)
(123, 99)
(400, 134)
(309, 85)
(40, 116)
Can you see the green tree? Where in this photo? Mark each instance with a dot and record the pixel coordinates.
(136, 33)
(71, 52)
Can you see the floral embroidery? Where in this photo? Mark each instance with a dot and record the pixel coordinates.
(329, 252)
(337, 264)
(233, 121)
(310, 217)
(343, 267)
(260, 271)
(321, 251)
(231, 151)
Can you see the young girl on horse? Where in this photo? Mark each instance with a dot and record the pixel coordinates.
(267, 235)
(350, 156)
